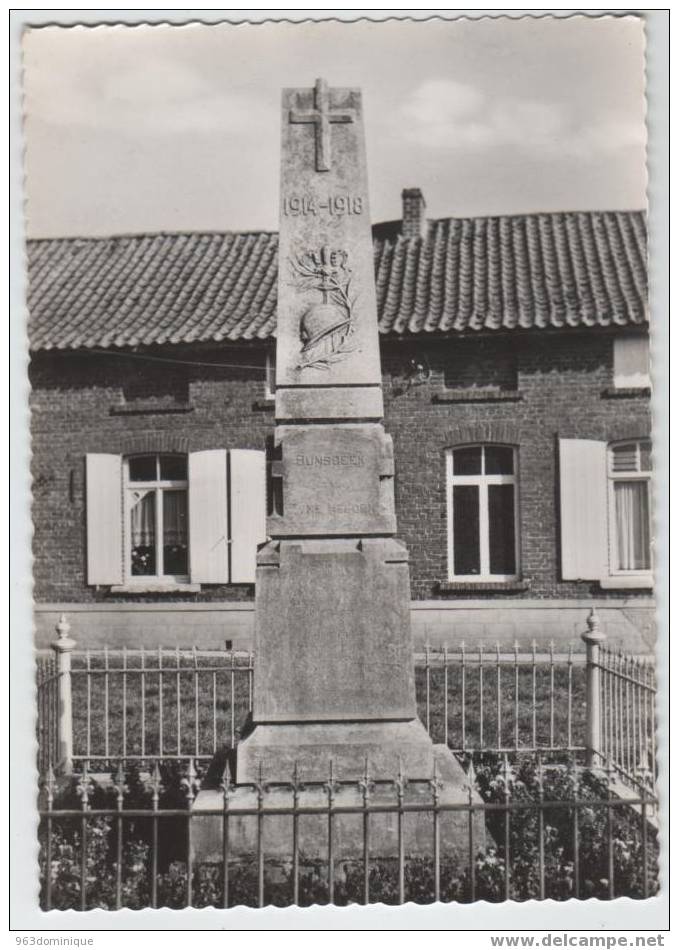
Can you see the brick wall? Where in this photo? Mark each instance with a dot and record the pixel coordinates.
(105, 403)
(563, 384)
(99, 403)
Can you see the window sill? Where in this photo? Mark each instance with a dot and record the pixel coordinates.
(477, 395)
(154, 589)
(455, 587)
(637, 582)
(638, 392)
(142, 408)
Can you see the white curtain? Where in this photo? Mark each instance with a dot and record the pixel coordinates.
(632, 526)
(143, 519)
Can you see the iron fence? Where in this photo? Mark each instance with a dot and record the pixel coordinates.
(102, 705)
(556, 819)
(627, 697)
(47, 678)
(167, 704)
(499, 700)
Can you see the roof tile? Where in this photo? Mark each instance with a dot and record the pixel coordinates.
(573, 269)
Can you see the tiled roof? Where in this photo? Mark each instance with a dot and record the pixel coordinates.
(576, 269)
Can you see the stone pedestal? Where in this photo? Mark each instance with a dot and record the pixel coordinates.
(311, 748)
(334, 669)
(332, 632)
(348, 829)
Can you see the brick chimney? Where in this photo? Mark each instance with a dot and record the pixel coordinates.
(414, 220)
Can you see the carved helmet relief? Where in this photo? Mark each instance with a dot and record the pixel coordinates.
(327, 327)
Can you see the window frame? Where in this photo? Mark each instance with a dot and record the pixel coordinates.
(611, 478)
(483, 481)
(158, 486)
(270, 373)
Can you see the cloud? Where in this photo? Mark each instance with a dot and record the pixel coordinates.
(614, 134)
(158, 95)
(444, 114)
(439, 102)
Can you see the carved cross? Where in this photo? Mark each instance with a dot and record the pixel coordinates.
(322, 117)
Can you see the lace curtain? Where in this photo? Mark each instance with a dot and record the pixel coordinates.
(632, 526)
(143, 520)
(174, 518)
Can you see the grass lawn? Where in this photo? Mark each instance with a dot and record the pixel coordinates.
(508, 717)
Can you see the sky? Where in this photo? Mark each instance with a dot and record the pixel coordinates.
(164, 128)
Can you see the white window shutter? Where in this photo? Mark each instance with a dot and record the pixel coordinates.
(103, 486)
(583, 492)
(248, 511)
(208, 517)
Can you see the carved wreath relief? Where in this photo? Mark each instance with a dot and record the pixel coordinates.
(327, 328)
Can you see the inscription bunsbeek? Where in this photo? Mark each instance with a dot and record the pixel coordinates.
(333, 460)
(335, 481)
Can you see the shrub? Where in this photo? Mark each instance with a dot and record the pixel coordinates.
(559, 784)
(526, 783)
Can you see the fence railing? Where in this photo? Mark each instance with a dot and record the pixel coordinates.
(141, 704)
(100, 705)
(499, 700)
(48, 678)
(621, 720)
(628, 691)
(555, 838)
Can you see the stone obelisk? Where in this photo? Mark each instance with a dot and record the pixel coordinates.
(334, 695)
(334, 657)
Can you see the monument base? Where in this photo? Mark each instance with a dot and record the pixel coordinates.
(347, 829)
(332, 632)
(276, 749)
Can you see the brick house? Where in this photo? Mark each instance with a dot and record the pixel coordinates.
(516, 385)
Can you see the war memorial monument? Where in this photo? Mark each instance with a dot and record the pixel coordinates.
(334, 688)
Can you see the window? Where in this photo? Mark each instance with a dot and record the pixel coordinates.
(480, 364)
(631, 362)
(163, 386)
(156, 523)
(482, 513)
(270, 374)
(629, 473)
(163, 521)
(605, 512)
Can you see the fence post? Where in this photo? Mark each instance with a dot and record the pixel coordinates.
(63, 646)
(593, 638)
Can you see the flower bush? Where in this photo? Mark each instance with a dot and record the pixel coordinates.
(520, 828)
(528, 782)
